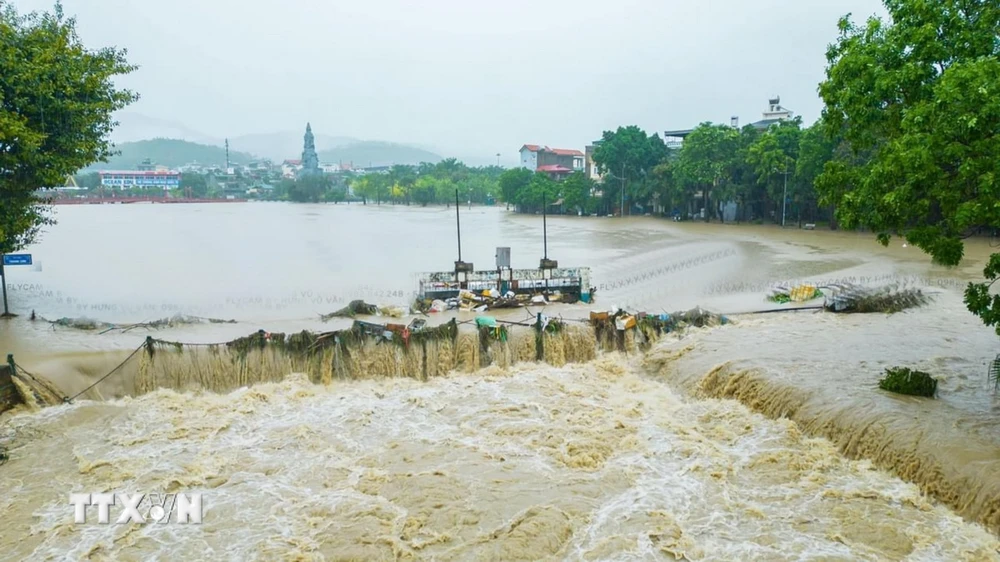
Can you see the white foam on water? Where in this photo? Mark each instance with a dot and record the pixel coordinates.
(586, 462)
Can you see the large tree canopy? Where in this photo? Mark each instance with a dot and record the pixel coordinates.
(628, 153)
(919, 96)
(56, 102)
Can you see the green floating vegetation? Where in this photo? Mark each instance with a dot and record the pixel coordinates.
(903, 380)
(355, 308)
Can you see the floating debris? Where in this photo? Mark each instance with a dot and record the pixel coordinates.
(90, 324)
(902, 380)
(355, 308)
(799, 293)
(887, 299)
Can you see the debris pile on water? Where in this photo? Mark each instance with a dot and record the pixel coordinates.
(798, 293)
(355, 308)
(902, 380)
(887, 299)
(90, 324)
(491, 299)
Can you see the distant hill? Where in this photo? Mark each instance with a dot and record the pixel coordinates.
(134, 127)
(285, 145)
(171, 153)
(374, 153)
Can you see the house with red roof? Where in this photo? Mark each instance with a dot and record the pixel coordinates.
(289, 168)
(557, 162)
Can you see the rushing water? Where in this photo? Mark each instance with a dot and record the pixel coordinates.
(624, 458)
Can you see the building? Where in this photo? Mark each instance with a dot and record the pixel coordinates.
(290, 168)
(590, 167)
(558, 161)
(143, 179)
(555, 171)
(774, 114)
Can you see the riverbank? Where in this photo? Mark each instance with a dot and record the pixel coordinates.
(821, 372)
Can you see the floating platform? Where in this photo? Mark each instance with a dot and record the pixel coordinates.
(571, 281)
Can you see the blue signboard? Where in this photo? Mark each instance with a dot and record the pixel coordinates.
(17, 259)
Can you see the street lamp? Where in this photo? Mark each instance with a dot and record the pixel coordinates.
(498, 159)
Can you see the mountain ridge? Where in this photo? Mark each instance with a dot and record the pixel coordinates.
(174, 153)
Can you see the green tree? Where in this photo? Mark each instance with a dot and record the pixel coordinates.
(424, 190)
(89, 180)
(629, 154)
(444, 191)
(405, 177)
(815, 150)
(364, 188)
(511, 183)
(921, 95)
(309, 189)
(56, 102)
(671, 190)
(541, 189)
(282, 189)
(196, 183)
(740, 183)
(704, 160)
(335, 194)
(476, 186)
(773, 157)
(577, 192)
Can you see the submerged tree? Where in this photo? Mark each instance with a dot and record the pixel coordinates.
(56, 102)
(919, 96)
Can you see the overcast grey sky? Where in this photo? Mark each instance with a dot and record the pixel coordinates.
(467, 77)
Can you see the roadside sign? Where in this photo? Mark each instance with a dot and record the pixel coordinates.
(17, 259)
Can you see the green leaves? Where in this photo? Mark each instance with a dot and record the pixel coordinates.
(56, 103)
(918, 103)
(512, 182)
(630, 153)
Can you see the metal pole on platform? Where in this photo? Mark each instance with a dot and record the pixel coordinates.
(545, 241)
(545, 230)
(458, 224)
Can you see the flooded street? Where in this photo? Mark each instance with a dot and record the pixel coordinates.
(763, 440)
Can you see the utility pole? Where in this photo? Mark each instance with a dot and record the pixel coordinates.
(498, 159)
(3, 279)
(227, 157)
(784, 197)
(623, 190)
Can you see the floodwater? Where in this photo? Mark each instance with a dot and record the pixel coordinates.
(763, 440)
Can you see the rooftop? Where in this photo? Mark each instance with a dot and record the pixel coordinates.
(765, 123)
(559, 151)
(566, 152)
(140, 172)
(554, 168)
(680, 133)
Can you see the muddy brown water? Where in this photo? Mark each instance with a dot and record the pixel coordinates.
(763, 440)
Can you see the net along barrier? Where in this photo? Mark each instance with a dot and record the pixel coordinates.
(371, 351)
(368, 350)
